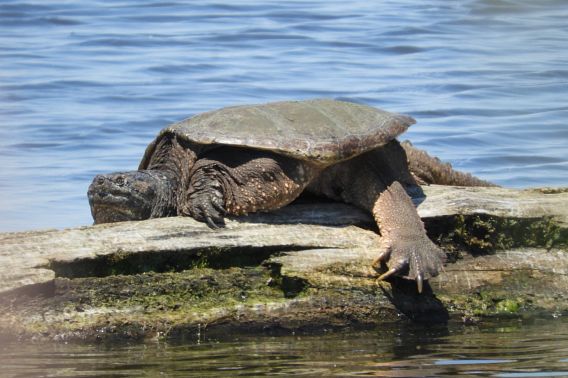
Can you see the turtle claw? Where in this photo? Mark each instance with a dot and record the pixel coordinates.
(206, 201)
(382, 258)
(211, 223)
(208, 209)
(419, 283)
(212, 216)
(393, 271)
(386, 275)
(416, 260)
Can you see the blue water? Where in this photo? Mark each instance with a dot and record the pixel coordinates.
(85, 86)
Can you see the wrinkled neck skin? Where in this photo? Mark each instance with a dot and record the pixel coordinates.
(151, 192)
(135, 195)
(164, 204)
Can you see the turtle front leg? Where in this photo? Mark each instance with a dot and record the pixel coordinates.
(205, 197)
(233, 181)
(405, 248)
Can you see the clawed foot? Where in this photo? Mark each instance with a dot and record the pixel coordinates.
(208, 206)
(416, 260)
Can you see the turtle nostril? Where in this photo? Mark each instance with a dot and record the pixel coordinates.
(100, 180)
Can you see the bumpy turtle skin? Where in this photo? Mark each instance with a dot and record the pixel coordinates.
(360, 180)
(405, 248)
(238, 181)
(431, 170)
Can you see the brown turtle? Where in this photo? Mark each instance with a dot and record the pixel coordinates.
(244, 159)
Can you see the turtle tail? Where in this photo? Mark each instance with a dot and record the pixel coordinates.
(431, 170)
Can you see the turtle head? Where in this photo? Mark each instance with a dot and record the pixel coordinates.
(135, 195)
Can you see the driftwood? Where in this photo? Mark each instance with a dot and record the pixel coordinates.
(307, 265)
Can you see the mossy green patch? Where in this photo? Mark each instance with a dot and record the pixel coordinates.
(488, 304)
(128, 302)
(510, 306)
(502, 298)
(484, 233)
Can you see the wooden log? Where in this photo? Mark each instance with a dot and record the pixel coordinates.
(304, 266)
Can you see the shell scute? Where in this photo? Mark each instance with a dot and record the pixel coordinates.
(323, 131)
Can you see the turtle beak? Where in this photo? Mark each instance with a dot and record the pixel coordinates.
(119, 197)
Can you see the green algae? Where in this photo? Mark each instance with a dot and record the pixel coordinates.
(127, 302)
(485, 305)
(510, 306)
(479, 234)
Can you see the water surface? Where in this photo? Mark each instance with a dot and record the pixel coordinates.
(507, 349)
(85, 86)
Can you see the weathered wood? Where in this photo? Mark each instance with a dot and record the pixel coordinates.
(305, 265)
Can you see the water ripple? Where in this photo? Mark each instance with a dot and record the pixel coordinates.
(86, 85)
(503, 349)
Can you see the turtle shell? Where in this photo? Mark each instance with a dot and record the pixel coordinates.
(322, 131)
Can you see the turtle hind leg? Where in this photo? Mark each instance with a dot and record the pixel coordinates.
(378, 181)
(405, 248)
(237, 181)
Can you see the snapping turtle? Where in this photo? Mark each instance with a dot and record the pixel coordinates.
(244, 159)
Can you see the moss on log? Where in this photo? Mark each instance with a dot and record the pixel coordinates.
(305, 266)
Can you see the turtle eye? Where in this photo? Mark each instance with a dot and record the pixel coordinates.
(120, 181)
